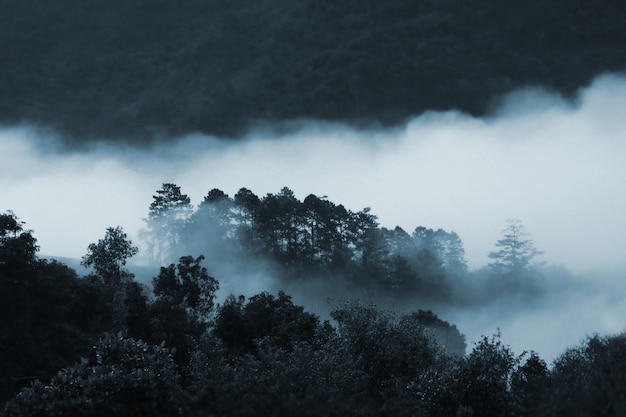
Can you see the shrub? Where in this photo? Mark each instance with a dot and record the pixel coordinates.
(123, 377)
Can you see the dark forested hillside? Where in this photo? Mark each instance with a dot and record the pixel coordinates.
(119, 68)
(102, 344)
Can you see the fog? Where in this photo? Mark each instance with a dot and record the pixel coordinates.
(558, 166)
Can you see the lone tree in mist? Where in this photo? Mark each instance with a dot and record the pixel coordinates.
(109, 255)
(169, 210)
(516, 253)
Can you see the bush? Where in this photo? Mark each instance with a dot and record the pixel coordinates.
(590, 380)
(123, 377)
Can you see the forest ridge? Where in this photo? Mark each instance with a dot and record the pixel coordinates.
(317, 240)
(119, 69)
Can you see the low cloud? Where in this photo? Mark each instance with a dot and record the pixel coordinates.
(557, 165)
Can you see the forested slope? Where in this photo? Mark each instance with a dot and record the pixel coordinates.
(103, 344)
(120, 68)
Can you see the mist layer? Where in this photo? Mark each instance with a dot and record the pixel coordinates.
(556, 165)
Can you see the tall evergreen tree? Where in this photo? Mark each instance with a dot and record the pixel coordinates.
(169, 211)
(516, 253)
(247, 205)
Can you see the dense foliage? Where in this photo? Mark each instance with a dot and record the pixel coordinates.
(316, 239)
(116, 69)
(98, 346)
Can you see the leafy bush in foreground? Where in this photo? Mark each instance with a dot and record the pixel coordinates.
(122, 377)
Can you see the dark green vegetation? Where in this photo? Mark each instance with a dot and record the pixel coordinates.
(103, 344)
(116, 69)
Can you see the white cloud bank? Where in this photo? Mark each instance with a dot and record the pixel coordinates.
(559, 167)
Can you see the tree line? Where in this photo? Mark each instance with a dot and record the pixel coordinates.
(315, 238)
(102, 344)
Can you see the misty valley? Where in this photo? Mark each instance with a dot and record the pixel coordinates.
(275, 306)
(383, 279)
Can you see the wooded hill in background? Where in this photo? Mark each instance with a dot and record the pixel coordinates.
(114, 69)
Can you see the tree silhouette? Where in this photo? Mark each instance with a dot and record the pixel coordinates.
(169, 210)
(109, 255)
(516, 253)
(187, 286)
(18, 246)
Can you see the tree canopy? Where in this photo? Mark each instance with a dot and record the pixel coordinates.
(71, 346)
(168, 211)
(305, 238)
(18, 247)
(110, 254)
